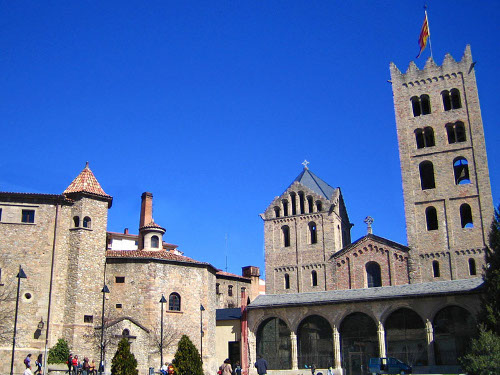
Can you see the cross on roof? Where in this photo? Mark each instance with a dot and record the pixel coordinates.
(369, 221)
(305, 163)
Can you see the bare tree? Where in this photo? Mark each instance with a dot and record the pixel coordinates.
(171, 335)
(111, 334)
(7, 307)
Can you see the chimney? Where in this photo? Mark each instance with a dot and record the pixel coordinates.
(146, 209)
(125, 231)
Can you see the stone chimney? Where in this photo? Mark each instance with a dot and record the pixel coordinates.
(253, 273)
(146, 209)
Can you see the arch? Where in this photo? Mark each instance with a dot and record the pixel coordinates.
(174, 302)
(431, 218)
(446, 100)
(314, 278)
(319, 206)
(277, 211)
(424, 137)
(453, 328)
(456, 132)
(302, 202)
(435, 269)
(310, 204)
(415, 104)
(76, 221)
(461, 171)
(425, 103)
(373, 275)
(472, 267)
(285, 230)
(87, 221)
(359, 341)
(426, 170)
(406, 337)
(287, 281)
(455, 99)
(313, 233)
(155, 242)
(293, 201)
(315, 342)
(285, 207)
(466, 216)
(125, 332)
(273, 343)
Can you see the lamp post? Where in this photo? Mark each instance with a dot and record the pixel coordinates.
(162, 301)
(104, 290)
(201, 332)
(20, 275)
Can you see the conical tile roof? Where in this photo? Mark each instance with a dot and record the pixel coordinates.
(316, 184)
(86, 182)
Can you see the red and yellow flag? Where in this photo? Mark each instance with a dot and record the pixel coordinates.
(424, 35)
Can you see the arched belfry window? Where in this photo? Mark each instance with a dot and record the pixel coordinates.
(277, 211)
(314, 278)
(373, 276)
(456, 132)
(431, 218)
(472, 267)
(461, 171)
(287, 281)
(293, 199)
(313, 235)
(155, 242)
(174, 302)
(426, 170)
(285, 230)
(285, 207)
(424, 137)
(451, 99)
(421, 105)
(76, 221)
(310, 204)
(466, 216)
(302, 204)
(86, 222)
(319, 206)
(435, 269)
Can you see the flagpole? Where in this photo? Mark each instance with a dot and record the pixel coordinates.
(429, 30)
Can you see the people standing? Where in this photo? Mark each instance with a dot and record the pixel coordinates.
(261, 365)
(237, 369)
(85, 366)
(28, 370)
(70, 363)
(27, 360)
(38, 364)
(226, 367)
(75, 365)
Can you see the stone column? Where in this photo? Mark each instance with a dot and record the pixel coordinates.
(336, 350)
(295, 361)
(381, 340)
(430, 342)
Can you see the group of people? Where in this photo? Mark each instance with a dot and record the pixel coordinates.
(167, 369)
(226, 369)
(38, 364)
(76, 367)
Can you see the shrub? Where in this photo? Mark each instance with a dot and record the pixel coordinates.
(59, 353)
(124, 362)
(187, 359)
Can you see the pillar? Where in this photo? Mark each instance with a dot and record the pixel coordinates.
(336, 350)
(430, 342)
(381, 340)
(293, 341)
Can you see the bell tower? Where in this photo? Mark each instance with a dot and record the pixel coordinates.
(446, 185)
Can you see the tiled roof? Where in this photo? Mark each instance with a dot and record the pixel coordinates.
(152, 225)
(228, 314)
(146, 254)
(86, 182)
(366, 294)
(374, 238)
(222, 273)
(316, 184)
(34, 196)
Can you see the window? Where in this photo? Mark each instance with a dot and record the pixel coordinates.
(174, 302)
(472, 267)
(466, 216)
(427, 175)
(461, 171)
(230, 290)
(276, 211)
(118, 305)
(451, 99)
(293, 198)
(285, 207)
(435, 268)
(312, 233)
(421, 105)
(431, 218)
(76, 221)
(310, 204)
(155, 242)
(373, 276)
(217, 288)
(0, 214)
(86, 222)
(287, 281)
(125, 332)
(319, 206)
(88, 319)
(119, 279)
(314, 278)
(456, 132)
(243, 289)
(302, 202)
(28, 216)
(286, 235)
(424, 137)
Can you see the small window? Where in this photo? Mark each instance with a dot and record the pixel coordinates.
(285, 207)
(217, 288)
(119, 279)
(125, 332)
(286, 235)
(461, 171)
(313, 235)
(431, 218)
(88, 319)
(174, 302)
(435, 269)
(287, 281)
(314, 278)
(310, 204)
(472, 267)
(118, 305)
(446, 100)
(373, 275)
(426, 104)
(243, 289)
(415, 103)
(319, 206)
(427, 175)
(455, 99)
(0, 214)
(302, 202)
(230, 290)
(293, 199)
(466, 216)
(276, 211)
(155, 242)
(421, 105)
(87, 222)
(456, 132)
(76, 221)
(28, 216)
(424, 137)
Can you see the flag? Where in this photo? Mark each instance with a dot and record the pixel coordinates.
(424, 35)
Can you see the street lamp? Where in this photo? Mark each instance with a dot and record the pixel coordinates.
(201, 332)
(20, 275)
(104, 290)
(162, 301)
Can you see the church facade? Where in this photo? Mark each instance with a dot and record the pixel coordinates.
(333, 302)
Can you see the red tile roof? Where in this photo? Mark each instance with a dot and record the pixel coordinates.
(152, 224)
(222, 273)
(161, 254)
(86, 182)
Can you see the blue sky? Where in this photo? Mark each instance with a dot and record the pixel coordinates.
(213, 105)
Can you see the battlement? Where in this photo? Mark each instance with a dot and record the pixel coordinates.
(432, 72)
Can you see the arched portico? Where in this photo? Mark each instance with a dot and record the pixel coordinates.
(315, 342)
(274, 344)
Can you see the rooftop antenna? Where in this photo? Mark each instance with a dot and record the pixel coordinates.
(225, 250)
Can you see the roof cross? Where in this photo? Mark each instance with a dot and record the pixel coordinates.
(369, 221)
(305, 163)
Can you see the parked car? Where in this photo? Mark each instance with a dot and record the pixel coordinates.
(388, 366)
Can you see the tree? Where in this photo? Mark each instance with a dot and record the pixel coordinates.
(483, 357)
(7, 305)
(110, 335)
(171, 335)
(187, 359)
(124, 362)
(59, 353)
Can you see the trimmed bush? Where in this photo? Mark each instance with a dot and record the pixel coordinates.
(59, 353)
